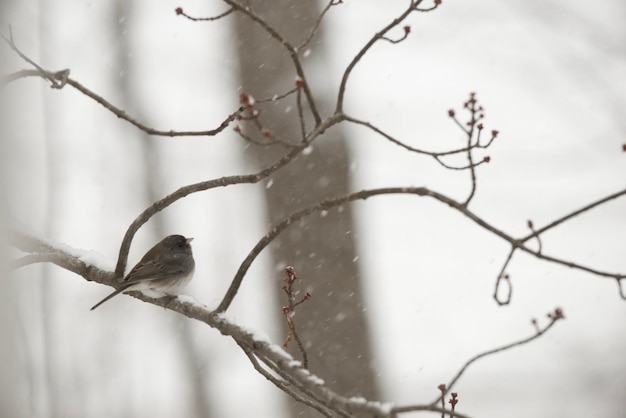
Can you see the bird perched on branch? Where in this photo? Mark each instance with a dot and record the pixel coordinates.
(164, 271)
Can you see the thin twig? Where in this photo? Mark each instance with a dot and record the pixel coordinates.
(60, 78)
(210, 184)
(179, 11)
(537, 232)
(40, 71)
(573, 214)
(317, 24)
(471, 105)
(621, 289)
(187, 190)
(282, 385)
(430, 9)
(116, 110)
(301, 115)
(537, 237)
(281, 96)
(328, 204)
(357, 58)
(407, 31)
(503, 276)
(293, 53)
(431, 408)
(390, 138)
(289, 312)
(472, 165)
(554, 317)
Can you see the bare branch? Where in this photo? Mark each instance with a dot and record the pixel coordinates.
(207, 185)
(536, 234)
(40, 70)
(621, 289)
(471, 166)
(504, 276)
(184, 191)
(42, 251)
(574, 214)
(365, 194)
(407, 31)
(289, 312)
(181, 12)
(436, 4)
(433, 408)
(435, 154)
(537, 237)
(318, 22)
(357, 58)
(293, 53)
(61, 76)
(554, 317)
(302, 382)
(282, 385)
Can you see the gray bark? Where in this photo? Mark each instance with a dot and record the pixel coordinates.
(332, 325)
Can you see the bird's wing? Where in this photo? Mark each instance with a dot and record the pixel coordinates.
(152, 270)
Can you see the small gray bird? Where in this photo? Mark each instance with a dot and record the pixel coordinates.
(163, 271)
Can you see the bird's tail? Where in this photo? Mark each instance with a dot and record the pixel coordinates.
(117, 292)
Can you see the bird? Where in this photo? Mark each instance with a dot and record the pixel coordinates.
(163, 271)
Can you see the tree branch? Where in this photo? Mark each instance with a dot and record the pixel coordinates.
(41, 252)
(210, 184)
(365, 194)
(63, 77)
(291, 50)
(554, 317)
(378, 36)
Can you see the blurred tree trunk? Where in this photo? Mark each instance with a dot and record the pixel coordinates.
(332, 325)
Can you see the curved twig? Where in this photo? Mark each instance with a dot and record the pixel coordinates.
(181, 12)
(293, 53)
(536, 233)
(318, 22)
(435, 154)
(621, 289)
(554, 317)
(503, 276)
(210, 184)
(282, 385)
(432, 408)
(377, 36)
(59, 75)
(573, 214)
(365, 194)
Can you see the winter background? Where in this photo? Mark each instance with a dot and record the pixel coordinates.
(551, 77)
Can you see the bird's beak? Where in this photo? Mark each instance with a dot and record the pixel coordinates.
(188, 240)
